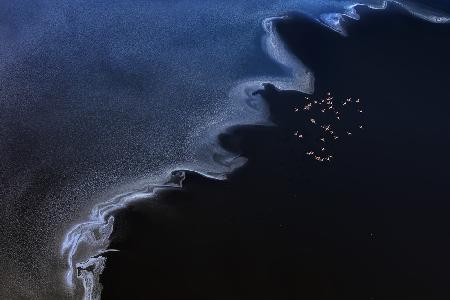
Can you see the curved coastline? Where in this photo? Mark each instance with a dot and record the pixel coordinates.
(85, 243)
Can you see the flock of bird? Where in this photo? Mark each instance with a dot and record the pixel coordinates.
(326, 115)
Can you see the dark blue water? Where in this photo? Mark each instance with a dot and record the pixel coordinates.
(370, 224)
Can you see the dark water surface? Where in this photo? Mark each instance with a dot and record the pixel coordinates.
(371, 224)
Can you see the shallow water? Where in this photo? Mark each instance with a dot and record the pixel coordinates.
(103, 98)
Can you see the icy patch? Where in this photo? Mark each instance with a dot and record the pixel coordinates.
(92, 236)
(335, 20)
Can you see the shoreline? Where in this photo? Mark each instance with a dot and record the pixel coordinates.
(101, 220)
